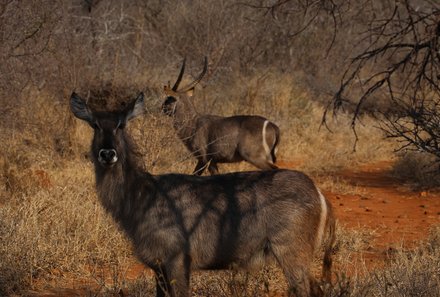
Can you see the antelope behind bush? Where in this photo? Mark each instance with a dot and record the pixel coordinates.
(215, 139)
(180, 222)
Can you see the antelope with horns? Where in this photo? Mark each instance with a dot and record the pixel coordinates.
(179, 222)
(215, 139)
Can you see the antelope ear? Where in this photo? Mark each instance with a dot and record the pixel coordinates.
(169, 92)
(79, 108)
(135, 108)
(190, 92)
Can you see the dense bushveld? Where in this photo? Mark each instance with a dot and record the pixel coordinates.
(53, 232)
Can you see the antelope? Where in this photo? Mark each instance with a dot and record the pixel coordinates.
(179, 222)
(215, 139)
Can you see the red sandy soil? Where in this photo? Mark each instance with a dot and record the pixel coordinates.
(396, 215)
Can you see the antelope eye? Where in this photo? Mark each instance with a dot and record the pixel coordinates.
(170, 100)
(96, 126)
(121, 125)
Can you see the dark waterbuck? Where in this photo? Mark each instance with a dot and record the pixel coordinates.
(215, 139)
(180, 222)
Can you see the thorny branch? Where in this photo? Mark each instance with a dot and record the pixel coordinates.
(307, 11)
(400, 65)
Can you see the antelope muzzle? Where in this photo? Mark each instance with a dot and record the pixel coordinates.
(107, 157)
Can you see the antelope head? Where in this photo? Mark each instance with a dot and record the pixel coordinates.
(108, 138)
(173, 93)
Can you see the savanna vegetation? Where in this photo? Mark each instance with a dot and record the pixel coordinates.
(348, 83)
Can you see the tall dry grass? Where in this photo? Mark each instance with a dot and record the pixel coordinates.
(53, 228)
(418, 170)
(408, 273)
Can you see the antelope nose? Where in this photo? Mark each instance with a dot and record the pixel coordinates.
(107, 156)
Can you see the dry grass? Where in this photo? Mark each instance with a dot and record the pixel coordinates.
(418, 170)
(335, 184)
(53, 228)
(54, 231)
(409, 273)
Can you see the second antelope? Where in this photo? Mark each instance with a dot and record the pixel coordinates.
(215, 139)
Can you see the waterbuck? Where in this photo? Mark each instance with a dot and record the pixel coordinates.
(215, 139)
(180, 222)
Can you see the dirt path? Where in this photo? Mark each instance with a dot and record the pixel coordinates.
(398, 215)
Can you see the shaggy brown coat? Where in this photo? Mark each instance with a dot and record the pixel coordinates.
(181, 222)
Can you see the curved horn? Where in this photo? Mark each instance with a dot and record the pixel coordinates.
(198, 79)
(179, 78)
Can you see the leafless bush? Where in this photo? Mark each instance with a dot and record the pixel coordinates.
(399, 64)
